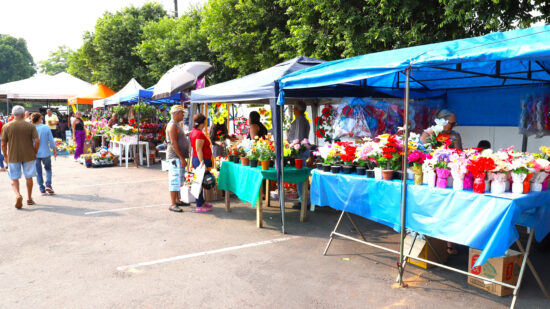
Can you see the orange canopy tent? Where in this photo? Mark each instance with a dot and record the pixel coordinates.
(96, 92)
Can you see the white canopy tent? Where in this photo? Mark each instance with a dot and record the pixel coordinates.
(43, 88)
(131, 87)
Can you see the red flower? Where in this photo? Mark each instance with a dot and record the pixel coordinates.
(318, 121)
(320, 133)
(132, 121)
(388, 155)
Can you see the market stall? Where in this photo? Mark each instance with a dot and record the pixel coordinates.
(257, 88)
(514, 60)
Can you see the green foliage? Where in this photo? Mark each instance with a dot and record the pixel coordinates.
(57, 61)
(16, 62)
(173, 41)
(109, 54)
(120, 110)
(144, 110)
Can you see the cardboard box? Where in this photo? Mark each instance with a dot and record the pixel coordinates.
(504, 269)
(213, 194)
(423, 250)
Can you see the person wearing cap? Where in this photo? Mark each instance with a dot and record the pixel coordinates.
(299, 130)
(20, 143)
(52, 121)
(176, 151)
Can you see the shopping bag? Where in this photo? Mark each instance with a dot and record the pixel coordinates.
(185, 194)
(198, 176)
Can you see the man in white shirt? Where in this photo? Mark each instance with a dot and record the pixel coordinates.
(52, 121)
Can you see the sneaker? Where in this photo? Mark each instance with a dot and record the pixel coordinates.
(43, 192)
(49, 190)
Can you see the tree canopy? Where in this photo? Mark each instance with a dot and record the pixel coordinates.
(16, 62)
(57, 61)
(243, 36)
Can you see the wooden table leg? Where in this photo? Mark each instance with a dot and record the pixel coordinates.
(267, 196)
(227, 203)
(259, 210)
(305, 198)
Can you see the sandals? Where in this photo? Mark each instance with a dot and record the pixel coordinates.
(180, 204)
(175, 208)
(30, 202)
(202, 209)
(207, 205)
(19, 202)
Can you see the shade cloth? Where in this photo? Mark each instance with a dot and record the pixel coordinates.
(246, 181)
(480, 221)
(95, 92)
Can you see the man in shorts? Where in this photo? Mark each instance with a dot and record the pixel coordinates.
(20, 143)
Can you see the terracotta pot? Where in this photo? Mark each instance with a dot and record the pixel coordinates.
(361, 170)
(299, 163)
(244, 160)
(253, 163)
(387, 174)
(265, 165)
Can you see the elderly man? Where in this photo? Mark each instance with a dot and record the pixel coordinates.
(176, 154)
(299, 129)
(17, 138)
(52, 121)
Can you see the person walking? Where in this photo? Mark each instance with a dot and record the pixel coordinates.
(2, 168)
(202, 154)
(299, 129)
(17, 138)
(44, 154)
(52, 121)
(176, 154)
(79, 135)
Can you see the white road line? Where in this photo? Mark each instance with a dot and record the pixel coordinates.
(187, 256)
(122, 209)
(109, 183)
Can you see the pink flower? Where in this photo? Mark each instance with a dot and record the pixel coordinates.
(297, 147)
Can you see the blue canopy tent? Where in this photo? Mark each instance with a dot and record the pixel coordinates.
(145, 95)
(509, 61)
(258, 88)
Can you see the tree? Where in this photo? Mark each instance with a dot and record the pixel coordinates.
(172, 41)
(109, 54)
(16, 62)
(242, 32)
(57, 61)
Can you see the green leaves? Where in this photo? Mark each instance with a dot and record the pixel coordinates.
(57, 62)
(15, 60)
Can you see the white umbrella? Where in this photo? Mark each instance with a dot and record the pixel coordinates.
(179, 78)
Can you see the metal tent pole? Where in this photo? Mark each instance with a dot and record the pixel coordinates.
(404, 180)
(281, 167)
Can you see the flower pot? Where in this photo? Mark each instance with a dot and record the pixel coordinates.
(377, 173)
(370, 173)
(265, 165)
(425, 178)
(361, 170)
(244, 161)
(527, 183)
(335, 169)
(468, 181)
(441, 183)
(326, 167)
(347, 169)
(387, 174)
(430, 179)
(319, 165)
(271, 163)
(253, 163)
(418, 179)
(117, 138)
(298, 163)
(458, 184)
(479, 185)
(498, 187)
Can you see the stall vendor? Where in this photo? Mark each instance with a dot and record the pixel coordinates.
(257, 128)
(113, 121)
(456, 140)
(299, 130)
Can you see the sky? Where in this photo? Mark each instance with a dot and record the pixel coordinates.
(47, 24)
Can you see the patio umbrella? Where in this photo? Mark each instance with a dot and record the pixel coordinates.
(179, 78)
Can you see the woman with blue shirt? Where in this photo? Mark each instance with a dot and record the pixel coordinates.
(44, 154)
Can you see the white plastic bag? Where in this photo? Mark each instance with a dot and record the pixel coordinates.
(185, 194)
(196, 187)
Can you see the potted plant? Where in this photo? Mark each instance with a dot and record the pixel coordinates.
(266, 151)
(348, 158)
(390, 159)
(479, 168)
(253, 155)
(416, 159)
(297, 149)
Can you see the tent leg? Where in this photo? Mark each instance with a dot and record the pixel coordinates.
(355, 226)
(534, 271)
(522, 270)
(404, 260)
(404, 181)
(281, 167)
(334, 231)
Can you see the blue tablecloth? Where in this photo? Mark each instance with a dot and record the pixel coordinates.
(480, 221)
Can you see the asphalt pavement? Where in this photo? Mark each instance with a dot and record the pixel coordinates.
(107, 240)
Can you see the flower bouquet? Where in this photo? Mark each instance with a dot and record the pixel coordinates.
(541, 167)
(366, 156)
(428, 171)
(458, 163)
(416, 159)
(499, 175)
(390, 159)
(479, 167)
(442, 157)
(436, 137)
